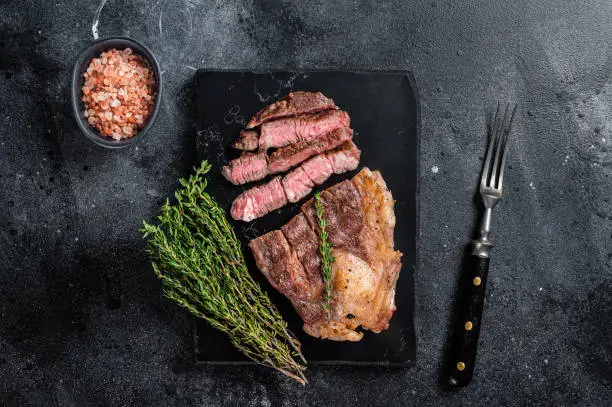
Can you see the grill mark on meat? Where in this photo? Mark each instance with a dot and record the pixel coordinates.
(246, 168)
(248, 140)
(279, 133)
(294, 104)
(263, 199)
(360, 223)
(253, 167)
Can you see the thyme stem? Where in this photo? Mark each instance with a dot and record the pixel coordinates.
(327, 258)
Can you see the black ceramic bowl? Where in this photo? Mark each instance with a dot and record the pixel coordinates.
(92, 51)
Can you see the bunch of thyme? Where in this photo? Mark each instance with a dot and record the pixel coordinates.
(197, 256)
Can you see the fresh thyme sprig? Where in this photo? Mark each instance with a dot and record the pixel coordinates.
(197, 256)
(327, 258)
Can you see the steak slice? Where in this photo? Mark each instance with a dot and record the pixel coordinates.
(246, 168)
(263, 199)
(299, 182)
(360, 224)
(289, 156)
(248, 140)
(279, 133)
(252, 167)
(294, 104)
(259, 201)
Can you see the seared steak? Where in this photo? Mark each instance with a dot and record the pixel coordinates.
(360, 223)
(246, 168)
(250, 167)
(294, 104)
(259, 201)
(279, 133)
(248, 140)
(298, 183)
(289, 156)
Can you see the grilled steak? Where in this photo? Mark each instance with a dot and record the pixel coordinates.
(294, 104)
(298, 183)
(252, 167)
(279, 133)
(259, 201)
(246, 168)
(248, 140)
(360, 223)
(289, 156)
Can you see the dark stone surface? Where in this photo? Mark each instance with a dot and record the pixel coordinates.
(82, 318)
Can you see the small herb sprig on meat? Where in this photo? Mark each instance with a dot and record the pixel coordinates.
(197, 256)
(327, 258)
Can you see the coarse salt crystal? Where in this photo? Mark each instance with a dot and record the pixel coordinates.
(107, 83)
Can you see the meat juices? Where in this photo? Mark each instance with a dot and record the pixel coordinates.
(360, 225)
(263, 199)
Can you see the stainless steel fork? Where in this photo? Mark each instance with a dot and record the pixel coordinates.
(471, 301)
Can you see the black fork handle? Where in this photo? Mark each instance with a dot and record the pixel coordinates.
(464, 343)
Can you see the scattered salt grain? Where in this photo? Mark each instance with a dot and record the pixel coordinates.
(435, 169)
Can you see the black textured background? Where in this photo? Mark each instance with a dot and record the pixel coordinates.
(82, 321)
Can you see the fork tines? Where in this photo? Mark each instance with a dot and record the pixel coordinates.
(493, 173)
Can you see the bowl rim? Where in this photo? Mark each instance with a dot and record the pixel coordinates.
(77, 105)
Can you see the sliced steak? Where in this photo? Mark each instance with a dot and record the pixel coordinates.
(263, 199)
(289, 156)
(360, 223)
(253, 167)
(248, 140)
(294, 104)
(279, 133)
(299, 182)
(246, 168)
(345, 158)
(259, 201)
